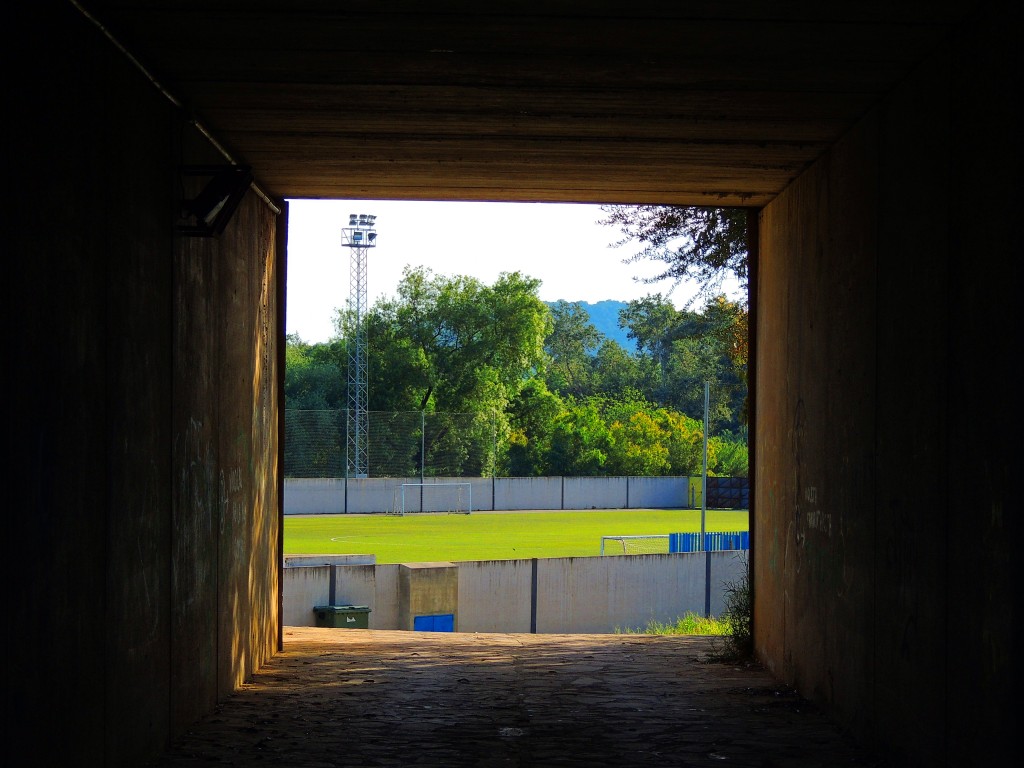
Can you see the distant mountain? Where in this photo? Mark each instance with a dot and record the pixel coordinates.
(604, 315)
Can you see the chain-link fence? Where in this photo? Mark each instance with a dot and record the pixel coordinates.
(398, 444)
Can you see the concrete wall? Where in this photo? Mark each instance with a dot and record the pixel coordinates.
(293, 561)
(658, 493)
(601, 492)
(142, 419)
(306, 586)
(599, 594)
(881, 548)
(495, 595)
(427, 589)
(321, 496)
(572, 594)
(305, 496)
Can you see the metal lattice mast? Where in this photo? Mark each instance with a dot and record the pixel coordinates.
(360, 236)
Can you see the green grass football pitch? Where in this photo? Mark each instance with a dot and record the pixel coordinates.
(423, 537)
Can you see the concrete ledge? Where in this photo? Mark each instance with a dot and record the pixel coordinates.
(426, 589)
(298, 561)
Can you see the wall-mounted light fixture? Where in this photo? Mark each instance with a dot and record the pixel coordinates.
(211, 210)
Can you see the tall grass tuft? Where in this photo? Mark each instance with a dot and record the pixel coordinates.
(690, 624)
(738, 640)
(732, 631)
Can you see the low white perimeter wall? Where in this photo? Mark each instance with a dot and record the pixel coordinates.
(511, 493)
(659, 493)
(307, 586)
(600, 594)
(310, 496)
(572, 594)
(595, 492)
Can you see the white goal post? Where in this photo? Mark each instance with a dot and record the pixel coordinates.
(653, 544)
(453, 498)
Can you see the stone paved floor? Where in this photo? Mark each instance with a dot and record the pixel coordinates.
(340, 697)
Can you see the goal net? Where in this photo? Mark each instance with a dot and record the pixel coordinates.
(453, 498)
(654, 544)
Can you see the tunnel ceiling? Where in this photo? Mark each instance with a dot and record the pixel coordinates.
(697, 103)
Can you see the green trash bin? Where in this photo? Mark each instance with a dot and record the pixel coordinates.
(345, 616)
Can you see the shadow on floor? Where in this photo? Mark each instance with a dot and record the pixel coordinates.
(352, 697)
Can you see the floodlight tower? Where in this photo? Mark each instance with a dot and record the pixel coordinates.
(360, 236)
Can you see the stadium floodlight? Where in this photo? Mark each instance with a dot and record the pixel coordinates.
(359, 236)
(360, 231)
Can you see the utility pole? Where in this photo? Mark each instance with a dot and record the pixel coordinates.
(704, 506)
(704, 469)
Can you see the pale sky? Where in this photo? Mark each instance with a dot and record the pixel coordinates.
(560, 244)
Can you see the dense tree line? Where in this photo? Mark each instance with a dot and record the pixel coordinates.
(558, 398)
(545, 393)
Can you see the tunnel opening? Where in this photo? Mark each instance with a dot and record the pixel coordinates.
(445, 246)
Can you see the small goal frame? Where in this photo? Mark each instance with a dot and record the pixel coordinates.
(401, 510)
(624, 539)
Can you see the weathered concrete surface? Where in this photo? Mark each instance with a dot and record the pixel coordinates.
(340, 697)
(426, 589)
(143, 417)
(878, 530)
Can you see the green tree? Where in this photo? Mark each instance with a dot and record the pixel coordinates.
(728, 455)
(580, 441)
(638, 447)
(314, 374)
(652, 323)
(449, 345)
(398, 372)
(679, 350)
(454, 344)
(571, 345)
(704, 246)
(614, 369)
(698, 244)
(532, 415)
(726, 323)
(648, 440)
(685, 442)
(314, 391)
